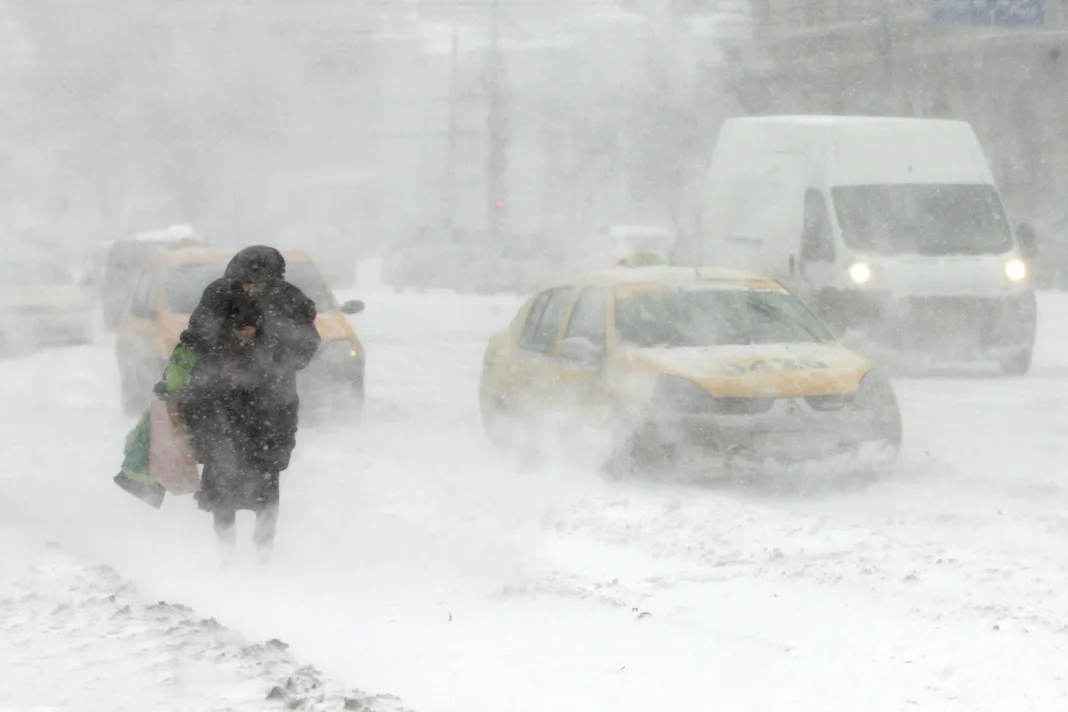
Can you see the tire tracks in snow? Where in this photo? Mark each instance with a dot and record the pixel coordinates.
(734, 540)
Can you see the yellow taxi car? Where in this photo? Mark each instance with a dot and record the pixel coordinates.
(674, 367)
(169, 288)
(41, 302)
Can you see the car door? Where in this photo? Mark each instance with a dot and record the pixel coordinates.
(537, 348)
(580, 359)
(589, 418)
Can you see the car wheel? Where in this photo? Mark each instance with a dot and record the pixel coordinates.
(359, 398)
(495, 419)
(888, 430)
(643, 452)
(84, 337)
(112, 317)
(1017, 364)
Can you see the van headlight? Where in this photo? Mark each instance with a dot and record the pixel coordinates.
(860, 272)
(1016, 270)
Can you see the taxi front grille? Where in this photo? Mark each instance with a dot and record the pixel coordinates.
(757, 406)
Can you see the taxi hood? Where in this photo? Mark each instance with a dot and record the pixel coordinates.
(761, 370)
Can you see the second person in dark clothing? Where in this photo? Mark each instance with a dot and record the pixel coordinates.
(251, 332)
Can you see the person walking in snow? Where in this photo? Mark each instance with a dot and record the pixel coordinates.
(250, 334)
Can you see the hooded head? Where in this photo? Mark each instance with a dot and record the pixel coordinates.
(257, 265)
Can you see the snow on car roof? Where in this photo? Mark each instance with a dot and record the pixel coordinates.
(167, 234)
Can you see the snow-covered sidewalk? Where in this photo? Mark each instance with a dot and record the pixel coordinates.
(78, 637)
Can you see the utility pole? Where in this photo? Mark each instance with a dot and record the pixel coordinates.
(498, 129)
(454, 100)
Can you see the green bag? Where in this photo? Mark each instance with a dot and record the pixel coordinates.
(134, 476)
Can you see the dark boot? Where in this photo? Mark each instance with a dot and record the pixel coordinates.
(224, 527)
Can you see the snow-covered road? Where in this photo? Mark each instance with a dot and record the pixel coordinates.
(415, 560)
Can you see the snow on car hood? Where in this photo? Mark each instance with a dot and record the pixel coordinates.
(761, 370)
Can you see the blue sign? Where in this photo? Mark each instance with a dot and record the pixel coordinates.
(988, 13)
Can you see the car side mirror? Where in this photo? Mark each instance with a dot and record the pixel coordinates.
(582, 350)
(354, 306)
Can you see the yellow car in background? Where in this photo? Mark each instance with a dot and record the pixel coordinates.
(169, 288)
(126, 258)
(678, 368)
(41, 302)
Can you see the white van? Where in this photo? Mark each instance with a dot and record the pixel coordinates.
(888, 227)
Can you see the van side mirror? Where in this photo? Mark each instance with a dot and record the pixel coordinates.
(1027, 239)
(816, 243)
(354, 306)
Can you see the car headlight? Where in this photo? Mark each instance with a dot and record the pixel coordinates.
(683, 395)
(1016, 270)
(340, 350)
(860, 272)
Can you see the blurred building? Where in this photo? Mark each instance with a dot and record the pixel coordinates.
(999, 65)
(145, 114)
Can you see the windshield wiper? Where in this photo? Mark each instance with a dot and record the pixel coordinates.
(777, 317)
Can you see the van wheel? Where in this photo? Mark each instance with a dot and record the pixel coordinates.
(1018, 364)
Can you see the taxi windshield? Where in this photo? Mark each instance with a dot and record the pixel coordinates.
(700, 315)
(187, 283)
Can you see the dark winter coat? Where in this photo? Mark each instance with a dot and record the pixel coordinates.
(240, 405)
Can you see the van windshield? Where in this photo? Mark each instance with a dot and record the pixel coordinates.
(922, 219)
